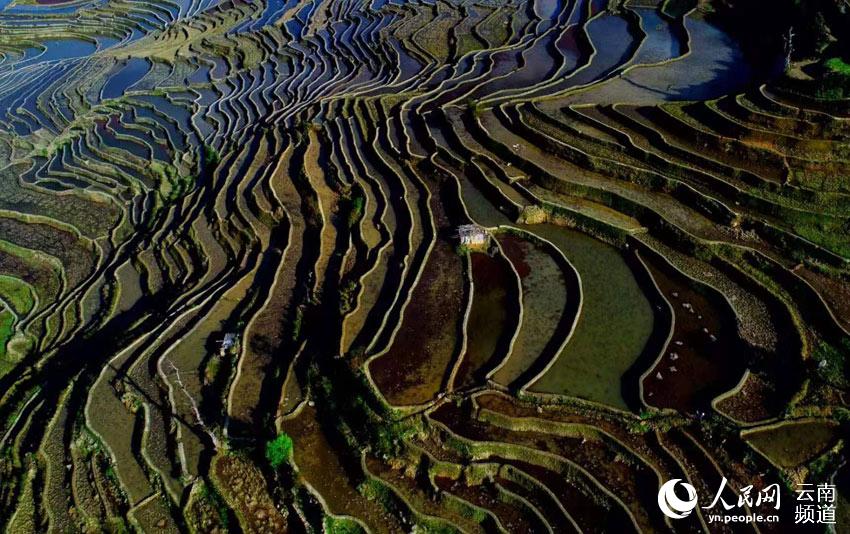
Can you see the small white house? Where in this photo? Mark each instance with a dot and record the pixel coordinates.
(472, 235)
(227, 342)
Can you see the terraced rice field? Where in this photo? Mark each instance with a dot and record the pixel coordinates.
(230, 229)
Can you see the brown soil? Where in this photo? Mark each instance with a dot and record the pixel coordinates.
(327, 472)
(834, 291)
(582, 505)
(513, 247)
(243, 485)
(490, 325)
(486, 496)
(703, 358)
(624, 478)
(418, 362)
(754, 402)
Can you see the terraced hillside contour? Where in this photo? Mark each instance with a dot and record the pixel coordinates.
(232, 296)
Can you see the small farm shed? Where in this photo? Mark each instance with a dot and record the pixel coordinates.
(472, 235)
(227, 342)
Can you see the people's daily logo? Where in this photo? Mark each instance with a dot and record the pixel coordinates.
(671, 504)
(815, 503)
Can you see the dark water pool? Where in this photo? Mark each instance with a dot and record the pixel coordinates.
(128, 74)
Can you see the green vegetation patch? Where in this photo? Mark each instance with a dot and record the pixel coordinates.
(835, 83)
(832, 363)
(172, 185)
(837, 65)
(279, 450)
(17, 294)
(7, 330)
(341, 525)
(211, 156)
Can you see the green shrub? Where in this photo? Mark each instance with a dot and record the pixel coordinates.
(356, 210)
(431, 526)
(835, 84)
(7, 330)
(389, 436)
(341, 525)
(822, 468)
(832, 363)
(279, 450)
(475, 107)
(111, 475)
(297, 322)
(211, 156)
(374, 491)
(347, 296)
(837, 65)
(216, 501)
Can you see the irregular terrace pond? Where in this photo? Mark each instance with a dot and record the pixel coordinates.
(615, 322)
